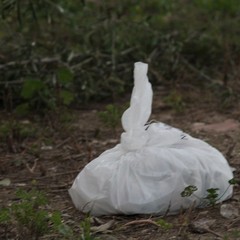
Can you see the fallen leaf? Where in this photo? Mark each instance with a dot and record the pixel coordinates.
(103, 228)
(5, 182)
(201, 225)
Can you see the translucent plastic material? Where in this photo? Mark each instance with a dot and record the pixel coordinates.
(152, 165)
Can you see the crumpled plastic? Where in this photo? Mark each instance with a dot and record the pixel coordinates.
(151, 166)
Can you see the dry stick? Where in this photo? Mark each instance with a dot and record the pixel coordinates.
(187, 215)
(52, 185)
(214, 233)
(80, 64)
(144, 221)
(63, 142)
(24, 62)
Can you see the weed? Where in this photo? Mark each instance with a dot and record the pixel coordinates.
(30, 218)
(164, 225)
(61, 228)
(111, 116)
(212, 196)
(86, 229)
(28, 215)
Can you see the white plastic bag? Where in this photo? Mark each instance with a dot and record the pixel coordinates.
(153, 164)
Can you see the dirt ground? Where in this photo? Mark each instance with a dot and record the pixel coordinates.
(63, 149)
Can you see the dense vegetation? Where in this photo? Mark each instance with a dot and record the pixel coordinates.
(55, 53)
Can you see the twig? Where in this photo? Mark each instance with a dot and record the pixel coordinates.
(25, 62)
(143, 221)
(58, 174)
(60, 186)
(80, 64)
(214, 233)
(186, 218)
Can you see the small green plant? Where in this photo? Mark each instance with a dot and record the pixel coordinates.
(30, 218)
(212, 196)
(111, 116)
(164, 225)
(64, 230)
(86, 229)
(28, 215)
(4, 220)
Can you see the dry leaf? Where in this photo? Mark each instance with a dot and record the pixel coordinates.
(103, 228)
(5, 182)
(201, 225)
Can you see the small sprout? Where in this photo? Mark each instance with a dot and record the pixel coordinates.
(86, 229)
(212, 196)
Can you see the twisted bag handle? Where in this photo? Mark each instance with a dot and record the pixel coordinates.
(136, 116)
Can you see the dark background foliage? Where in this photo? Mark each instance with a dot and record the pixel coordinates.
(56, 53)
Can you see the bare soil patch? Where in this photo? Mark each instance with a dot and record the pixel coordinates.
(51, 160)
